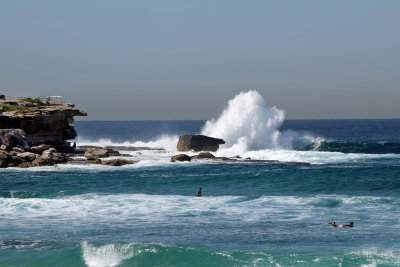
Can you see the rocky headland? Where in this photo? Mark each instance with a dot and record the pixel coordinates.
(36, 132)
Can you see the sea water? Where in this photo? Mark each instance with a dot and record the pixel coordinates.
(272, 210)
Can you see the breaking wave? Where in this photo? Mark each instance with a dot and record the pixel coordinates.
(248, 121)
(355, 147)
(142, 254)
(252, 129)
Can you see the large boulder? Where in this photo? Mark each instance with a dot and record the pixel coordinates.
(27, 156)
(198, 143)
(10, 138)
(40, 148)
(95, 153)
(52, 154)
(181, 157)
(49, 158)
(40, 161)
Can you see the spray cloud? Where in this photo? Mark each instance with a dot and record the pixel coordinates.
(248, 121)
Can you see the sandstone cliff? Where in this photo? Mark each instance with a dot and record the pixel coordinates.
(42, 123)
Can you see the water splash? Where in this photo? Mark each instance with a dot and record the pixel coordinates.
(248, 121)
(106, 255)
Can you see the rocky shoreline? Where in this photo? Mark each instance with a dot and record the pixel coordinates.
(34, 133)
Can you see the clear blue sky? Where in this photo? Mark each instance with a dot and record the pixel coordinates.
(185, 59)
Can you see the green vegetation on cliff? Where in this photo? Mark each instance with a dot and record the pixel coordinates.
(6, 107)
(36, 101)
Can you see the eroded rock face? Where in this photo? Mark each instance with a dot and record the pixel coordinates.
(47, 125)
(198, 143)
(13, 138)
(181, 157)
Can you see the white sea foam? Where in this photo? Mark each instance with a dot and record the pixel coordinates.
(92, 210)
(251, 130)
(106, 255)
(313, 157)
(380, 257)
(167, 142)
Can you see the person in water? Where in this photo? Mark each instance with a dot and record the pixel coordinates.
(343, 225)
(199, 193)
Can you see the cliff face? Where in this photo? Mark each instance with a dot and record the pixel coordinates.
(51, 124)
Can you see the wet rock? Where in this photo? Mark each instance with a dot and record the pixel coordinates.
(95, 161)
(3, 163)
(15, 161)
(11, 138)
(181, 157)
(95, 153)
(204, 155)
(117, 162)
(25, 165)
(198, 143)
(40, 161)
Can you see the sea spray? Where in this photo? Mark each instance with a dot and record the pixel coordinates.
(106, 255)
(251, 129)
(247, 121)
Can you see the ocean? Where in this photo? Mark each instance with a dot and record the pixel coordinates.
(272, 210)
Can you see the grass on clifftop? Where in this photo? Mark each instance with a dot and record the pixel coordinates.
(34, 101)
(4, 107)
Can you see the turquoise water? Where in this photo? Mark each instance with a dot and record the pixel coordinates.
(252, 213)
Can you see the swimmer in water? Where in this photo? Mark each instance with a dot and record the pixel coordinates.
(343, 225)
(199, 193)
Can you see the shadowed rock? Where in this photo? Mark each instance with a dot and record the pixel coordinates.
(180, 157)
(204, 155)
(117, 162)
(198, 143)
(42, 162)
(11, 138)
(27, 156)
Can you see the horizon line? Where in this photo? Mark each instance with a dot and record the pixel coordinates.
(208, 119)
